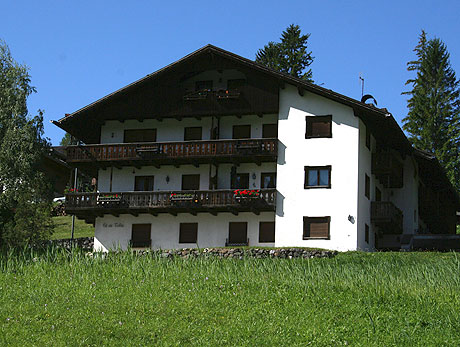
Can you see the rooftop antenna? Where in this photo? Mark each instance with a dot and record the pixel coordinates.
(361, 79)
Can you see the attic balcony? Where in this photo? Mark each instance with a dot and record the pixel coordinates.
(88, 206)
(387, 169)
(386, 216)
(173, 153)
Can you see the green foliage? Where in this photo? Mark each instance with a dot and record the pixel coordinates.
(290, 56)
(357, 299)
(25, 194)
(433, 121)
(62, 225)
(66, 140)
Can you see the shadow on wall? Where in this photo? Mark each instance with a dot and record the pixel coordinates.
(281, 153)
(279, 204)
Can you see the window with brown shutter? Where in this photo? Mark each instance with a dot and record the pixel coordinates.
(241, 132)
(190, 182)
(269, 131)
(143, 183)
(367, 188)
(266, 232)
(316, 227)
(192, 133)
(237, 233)
(318, 126)
(140, 235)
(268, 180)
(241, 181)
(188, 232)
(140, 135)
(366, 233)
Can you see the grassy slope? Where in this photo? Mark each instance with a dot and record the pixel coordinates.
(355, 298)
(62, 226)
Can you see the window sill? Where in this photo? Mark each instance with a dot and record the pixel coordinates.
(316, 238)
(317, 187)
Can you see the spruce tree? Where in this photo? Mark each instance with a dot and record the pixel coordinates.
(290, 56)
(433, 120)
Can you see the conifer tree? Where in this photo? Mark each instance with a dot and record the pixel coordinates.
(290, 56)
(433, 120)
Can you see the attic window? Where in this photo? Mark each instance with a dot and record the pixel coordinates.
(318, 126)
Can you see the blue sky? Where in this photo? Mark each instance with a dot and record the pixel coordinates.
(82, 50)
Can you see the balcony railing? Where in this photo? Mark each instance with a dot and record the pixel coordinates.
(164, 151)
(386, 215)
(168, 202)
(388, 169)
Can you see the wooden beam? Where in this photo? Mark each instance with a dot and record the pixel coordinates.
(260, 115)
(197, 117)
(115, 214)
(174, 213)
(153, 213)
(214, 213)
(193, 212)
(301, 91)
(179, 118)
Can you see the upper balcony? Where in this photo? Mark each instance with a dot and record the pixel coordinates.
(386, 216)
(174, 153)
(388, 169)
(90, 205)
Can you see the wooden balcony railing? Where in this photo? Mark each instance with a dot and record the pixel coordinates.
(388, 169)
(386, 215)
(172, 150)
(168, 202)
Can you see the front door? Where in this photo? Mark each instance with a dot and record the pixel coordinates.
(238, 233)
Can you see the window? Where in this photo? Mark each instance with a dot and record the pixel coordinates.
(241, 132)
(140, 235)
(269, 131)
(143, 183)
(319, 126)
(378, 194)
(192, 133)
(140, 135)
(190, 182)
(366, 233)
(241, 181)
(266, 232)
(368, 138)
(316, 227)
(188, 232)
(268, 180)
(367, 188)
(203, 85)
(237, 233)
(317, 177)
(235, 83)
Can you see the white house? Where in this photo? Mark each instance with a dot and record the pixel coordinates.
(216, 150)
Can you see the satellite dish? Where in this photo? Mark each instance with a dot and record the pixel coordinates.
(368, 97)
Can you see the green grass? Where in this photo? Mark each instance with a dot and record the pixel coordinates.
(386, 299)
(62, 227)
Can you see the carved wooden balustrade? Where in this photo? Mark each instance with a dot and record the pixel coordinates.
(167, 152)
(387, 216)
(213, 201)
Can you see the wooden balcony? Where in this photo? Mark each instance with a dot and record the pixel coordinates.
(386, 216)
(90, 205)
(177, 153)
(388, 169)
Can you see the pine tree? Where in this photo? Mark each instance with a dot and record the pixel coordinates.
(290, 56)
(433, 121)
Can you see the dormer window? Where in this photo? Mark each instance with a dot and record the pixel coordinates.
(203, 85)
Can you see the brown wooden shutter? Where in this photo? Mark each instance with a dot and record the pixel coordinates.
(267, 232)
(140, 235)
(367, 188)
(269, 131)
(140, 135)
(241, 132)
(188, 232)
(316, 227)
(190, 182)
(319, 126)
(193, 133)
(238, 232)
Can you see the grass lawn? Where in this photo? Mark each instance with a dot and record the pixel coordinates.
(381, 299)
(62, 226)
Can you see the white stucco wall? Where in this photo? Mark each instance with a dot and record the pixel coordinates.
(115, 232)
(227, 123)
(341, 152)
